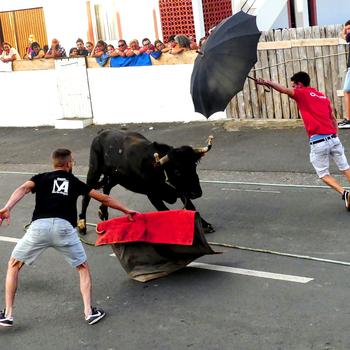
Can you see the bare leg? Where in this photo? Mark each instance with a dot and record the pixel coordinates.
(85, 287)
(347, 174)
(11, 283)
(347, 104)
(333, 183)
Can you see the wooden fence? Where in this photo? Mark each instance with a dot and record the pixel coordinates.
(320, 51)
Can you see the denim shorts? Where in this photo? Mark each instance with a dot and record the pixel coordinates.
(346, 87)
(45, 233)
(321, 152)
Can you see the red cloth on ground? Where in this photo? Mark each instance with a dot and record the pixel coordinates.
(167, 227)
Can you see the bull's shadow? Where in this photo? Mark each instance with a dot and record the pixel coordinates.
(162, 172)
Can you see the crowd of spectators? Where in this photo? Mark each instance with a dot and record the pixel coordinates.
(123, 54)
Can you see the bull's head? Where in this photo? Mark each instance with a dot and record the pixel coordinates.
(180, 167)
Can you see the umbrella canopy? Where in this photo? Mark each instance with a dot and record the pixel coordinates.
(222, 66)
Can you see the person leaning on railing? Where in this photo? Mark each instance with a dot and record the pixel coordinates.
(9, 53)
(56, 50)
(36, 52)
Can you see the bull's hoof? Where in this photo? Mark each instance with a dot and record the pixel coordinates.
(81, 225)
(208, 229)
(103, 216)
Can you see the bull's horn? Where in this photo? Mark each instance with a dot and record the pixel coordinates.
(160, 161)
(207, 148)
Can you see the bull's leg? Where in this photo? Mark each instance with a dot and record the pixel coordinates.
(107, 187)
(207, 227)
(157, 203)
(92, 179)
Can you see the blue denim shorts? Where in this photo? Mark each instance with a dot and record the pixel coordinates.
(346, 87)
(321, 152)
(45, 233)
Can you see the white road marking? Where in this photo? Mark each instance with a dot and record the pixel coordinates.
(222, 182)
(254, 273)
(9, 239)
(263, 274)
(242, 190)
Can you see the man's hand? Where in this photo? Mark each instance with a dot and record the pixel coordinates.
(130, 213)
(5, 215)
(261, 81)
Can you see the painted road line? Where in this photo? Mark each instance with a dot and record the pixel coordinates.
(218, 182)
(242, 190)
(254, 273)
(9, 239)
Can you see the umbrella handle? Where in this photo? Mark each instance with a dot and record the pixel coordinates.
(266, 89)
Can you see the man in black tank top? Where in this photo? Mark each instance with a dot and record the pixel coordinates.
(53, 225)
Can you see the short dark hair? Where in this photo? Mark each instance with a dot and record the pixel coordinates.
(61, 156)
(301, 77)
(34, 44)
(79, 40)
(347, 23)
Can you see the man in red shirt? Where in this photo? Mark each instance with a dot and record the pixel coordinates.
(321, 127)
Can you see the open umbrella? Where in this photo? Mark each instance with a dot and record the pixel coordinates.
(222, 66)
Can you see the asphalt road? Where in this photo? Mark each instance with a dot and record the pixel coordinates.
(257, 194)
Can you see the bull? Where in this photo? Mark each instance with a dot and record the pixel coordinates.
(162, 172)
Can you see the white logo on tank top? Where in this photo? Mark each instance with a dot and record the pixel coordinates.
(319, 96)
(61, 186)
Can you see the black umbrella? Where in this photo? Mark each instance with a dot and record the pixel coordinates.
(222, 66)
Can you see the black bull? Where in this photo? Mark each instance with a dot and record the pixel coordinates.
(161, 172)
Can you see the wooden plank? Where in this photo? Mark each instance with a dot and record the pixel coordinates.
(240, 105)
(342, 68)
(311, 64)
(302, 51)
(288, 56)
(282, 78)
(331, 69)
(288, 44)
(320, 72)
(247, 100)
(274, 77)
(41, 64)
(256, 113)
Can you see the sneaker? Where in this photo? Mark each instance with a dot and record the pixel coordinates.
(5, 321)
(346, 198)
(96, 315)
(344, 124)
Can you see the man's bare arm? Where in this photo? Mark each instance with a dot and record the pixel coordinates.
(16, 196)
(278, 87)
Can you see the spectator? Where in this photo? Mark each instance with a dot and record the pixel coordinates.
(82, 51)
(171, 41)
(100, 53)
(74, 52)
(1, 49)
(89, 47)
(345, 124)
(36, 52)
(46, 48)
(134, 48)
(100, 49)
(159, 46)
(122, 48)
(182, 44)
(9, 53)
(56, 50)
(147, 47)
(193, 44)
(110, 49)
(202, 41)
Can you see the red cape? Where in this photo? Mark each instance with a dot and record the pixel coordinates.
(166, 227)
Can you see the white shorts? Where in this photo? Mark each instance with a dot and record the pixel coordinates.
(321, 152)
(346, 87)
(45, 233)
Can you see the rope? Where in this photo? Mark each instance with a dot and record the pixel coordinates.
(305, 257)
(265, 251)
(299, 59)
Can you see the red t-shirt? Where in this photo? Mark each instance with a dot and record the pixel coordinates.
(316, 111)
